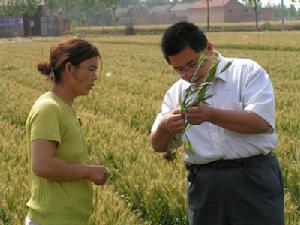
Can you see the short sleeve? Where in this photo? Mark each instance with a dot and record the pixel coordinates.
(45, 123)
(258, 95)
(166, 107)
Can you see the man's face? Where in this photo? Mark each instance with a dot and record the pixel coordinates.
(185, 62)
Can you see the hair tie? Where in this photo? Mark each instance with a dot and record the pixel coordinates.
(52, 74)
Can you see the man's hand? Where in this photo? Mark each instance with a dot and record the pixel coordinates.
(173, 122)
(170, 125)
(199, 114)
(240, 121)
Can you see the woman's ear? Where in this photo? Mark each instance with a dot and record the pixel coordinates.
(69, 67)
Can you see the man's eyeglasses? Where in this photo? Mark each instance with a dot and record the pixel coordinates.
(188, 68)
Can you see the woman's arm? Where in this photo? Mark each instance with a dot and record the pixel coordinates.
(46, 165)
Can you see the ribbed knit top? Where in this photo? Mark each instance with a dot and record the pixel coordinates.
(58, 202)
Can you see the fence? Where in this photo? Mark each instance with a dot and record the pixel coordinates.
(54, 25)
(11, 27)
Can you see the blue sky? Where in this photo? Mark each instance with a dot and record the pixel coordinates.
(286, 2)
(276, 2)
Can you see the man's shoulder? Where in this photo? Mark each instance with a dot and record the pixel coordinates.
(244, 63)
(243, 70)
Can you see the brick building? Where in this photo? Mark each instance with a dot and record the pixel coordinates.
(221, 11)
(181, 10)
(140, 15)
(225, 11)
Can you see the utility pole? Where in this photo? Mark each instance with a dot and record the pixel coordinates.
(207, 5)
(282, 15)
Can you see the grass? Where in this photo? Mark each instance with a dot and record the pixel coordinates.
(117, 116)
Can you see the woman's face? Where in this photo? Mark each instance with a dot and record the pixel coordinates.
(85, 75)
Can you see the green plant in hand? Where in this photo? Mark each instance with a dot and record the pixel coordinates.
(195, 95)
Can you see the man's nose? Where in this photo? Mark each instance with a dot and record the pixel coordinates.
(186, 74)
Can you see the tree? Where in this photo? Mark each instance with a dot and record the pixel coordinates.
(298, 12)
(52, 6)
(282, 15)
(151, 3)
(207, 8)
(68, 6)
(292, 11)
(14, 8)
(126, 3)
(276, 10)
(256, 4)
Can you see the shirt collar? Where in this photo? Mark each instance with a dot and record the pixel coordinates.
(222, 63)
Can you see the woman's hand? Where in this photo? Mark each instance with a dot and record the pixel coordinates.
(46, 165)
(97, 174)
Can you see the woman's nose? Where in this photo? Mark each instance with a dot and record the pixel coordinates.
(95, 76)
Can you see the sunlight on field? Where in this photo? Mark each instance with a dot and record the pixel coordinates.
(143, 188)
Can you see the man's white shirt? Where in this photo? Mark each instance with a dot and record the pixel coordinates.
(243, 86)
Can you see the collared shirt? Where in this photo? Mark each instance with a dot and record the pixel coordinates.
(243, 86)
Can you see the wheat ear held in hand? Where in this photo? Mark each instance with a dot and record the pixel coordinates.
(199, 91)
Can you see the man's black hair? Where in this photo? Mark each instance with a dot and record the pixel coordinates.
(181, 35)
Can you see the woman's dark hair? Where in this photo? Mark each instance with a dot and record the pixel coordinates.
(181, 35)
(74, 50)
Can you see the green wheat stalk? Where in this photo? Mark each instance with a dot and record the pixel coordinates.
(188, 102)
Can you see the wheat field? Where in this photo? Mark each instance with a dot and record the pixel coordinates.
(118, 114)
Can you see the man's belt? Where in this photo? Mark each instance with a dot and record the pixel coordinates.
(251, 161)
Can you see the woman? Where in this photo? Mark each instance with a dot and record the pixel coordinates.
(61, 188)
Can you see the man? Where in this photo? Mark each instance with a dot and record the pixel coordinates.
(233, 176)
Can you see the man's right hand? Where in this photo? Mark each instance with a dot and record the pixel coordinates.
(97, 174)
(173, 122)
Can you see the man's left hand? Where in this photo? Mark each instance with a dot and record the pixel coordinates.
(199, 114)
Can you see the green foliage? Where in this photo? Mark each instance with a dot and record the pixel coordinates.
(118, 114)
(12, 8)
(288, 12)
(195, 95)
(292, 11)
(252, 3)
(267, 26)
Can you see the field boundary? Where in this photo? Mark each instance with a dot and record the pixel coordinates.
(223, 46)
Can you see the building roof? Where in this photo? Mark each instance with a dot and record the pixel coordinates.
(160, 8)
(128, 10)
(181, 6)
(121, 11)
(214, 3)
